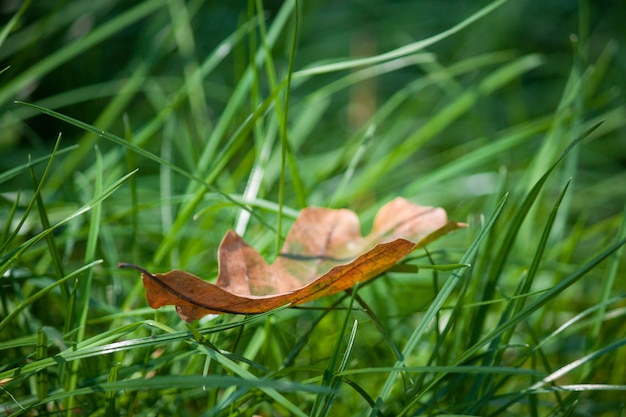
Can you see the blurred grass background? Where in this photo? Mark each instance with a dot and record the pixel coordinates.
(456, 122)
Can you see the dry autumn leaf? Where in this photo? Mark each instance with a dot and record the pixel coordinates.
(324, 253)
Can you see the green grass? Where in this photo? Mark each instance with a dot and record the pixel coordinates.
(179, 120)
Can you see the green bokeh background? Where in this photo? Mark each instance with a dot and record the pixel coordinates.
(329, 30)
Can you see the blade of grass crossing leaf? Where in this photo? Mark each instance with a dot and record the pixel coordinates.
(434, 309)
(510, 236)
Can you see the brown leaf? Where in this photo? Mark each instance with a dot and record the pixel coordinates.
(324, 253)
